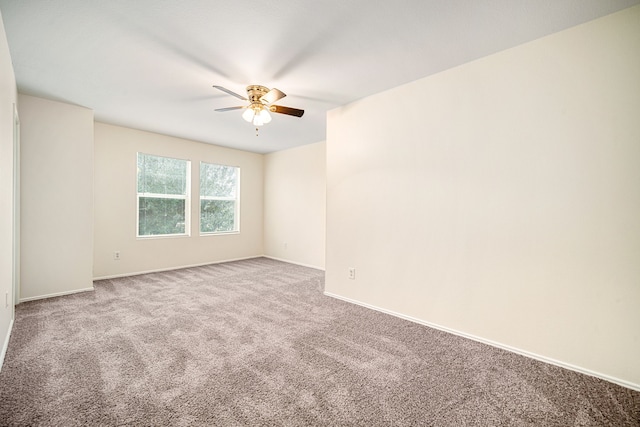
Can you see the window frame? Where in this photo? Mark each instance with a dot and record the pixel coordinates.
(236, 218)
(186, 197)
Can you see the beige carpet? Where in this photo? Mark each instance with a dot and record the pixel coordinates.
(256, 343)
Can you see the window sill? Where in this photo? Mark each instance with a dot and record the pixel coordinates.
(219, 233)
(162, 236)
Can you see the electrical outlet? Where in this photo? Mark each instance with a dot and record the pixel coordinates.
(285, 245)
(116, 255)
(352, 273)
(6, 299)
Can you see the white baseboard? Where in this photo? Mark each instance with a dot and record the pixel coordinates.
(294, 262)
(57, 294)
(5, 346)
(180, 267)
(525, 353)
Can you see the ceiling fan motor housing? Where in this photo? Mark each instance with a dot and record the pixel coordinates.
(255, 92)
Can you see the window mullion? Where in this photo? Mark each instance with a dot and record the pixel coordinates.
(162, 196)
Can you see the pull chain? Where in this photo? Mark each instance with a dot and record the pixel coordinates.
(256, 131)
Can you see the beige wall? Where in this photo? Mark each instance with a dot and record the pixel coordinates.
(115, 205)
(294, 205)
(501, 199)
(57, 197)
(8, 98)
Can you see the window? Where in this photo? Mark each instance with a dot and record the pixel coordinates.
(163, 196)
(219, 195)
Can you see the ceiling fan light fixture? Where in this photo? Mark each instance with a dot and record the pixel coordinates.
(257, 120)
(265, 116)
(248, 114)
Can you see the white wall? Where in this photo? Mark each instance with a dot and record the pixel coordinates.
(8, 97)
(501, 199)
(115, 205)
(295, 205)
(56, 198)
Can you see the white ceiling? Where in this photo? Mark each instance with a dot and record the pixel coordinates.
(150, 64)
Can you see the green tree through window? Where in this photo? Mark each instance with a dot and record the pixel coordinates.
(163, 196)
(219, 194)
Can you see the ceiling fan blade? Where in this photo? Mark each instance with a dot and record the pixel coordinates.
(286, 110)
(224, 89)
(272, 96)
(229, 108)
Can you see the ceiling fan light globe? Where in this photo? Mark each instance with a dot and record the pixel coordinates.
(248, 115)
(265, 116)
(257, 120)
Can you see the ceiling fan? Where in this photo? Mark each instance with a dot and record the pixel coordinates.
(261, 103)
